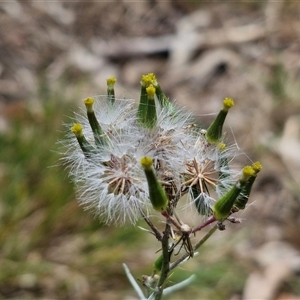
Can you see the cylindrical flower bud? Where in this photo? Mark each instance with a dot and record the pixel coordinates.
(162, 98)
(224, 205)
(151, 116)
(147, 111)
(85, 146)
(151, 79)
(157, 194)
(99, 135)
(111, 89)
(142, 109)
(214, 131)
(242, 199)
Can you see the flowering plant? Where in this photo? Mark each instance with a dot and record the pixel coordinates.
(131, 162)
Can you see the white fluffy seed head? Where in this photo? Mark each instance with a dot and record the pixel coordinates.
(207, 174)
(111, 181)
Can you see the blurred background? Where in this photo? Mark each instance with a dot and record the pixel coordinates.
(53, 54)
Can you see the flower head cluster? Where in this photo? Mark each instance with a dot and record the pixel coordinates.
(126, 160)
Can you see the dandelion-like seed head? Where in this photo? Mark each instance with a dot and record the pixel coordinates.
(118, 170)
(126, 161)
(115, 189)
(200, 180)
(207, 175)
(202, 176)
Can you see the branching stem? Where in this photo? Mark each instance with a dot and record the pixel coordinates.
(200, 243)
(155, 231)
(171, 219)
(209, 221)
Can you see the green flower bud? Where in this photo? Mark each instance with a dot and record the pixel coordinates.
(162, 98)
(242, 199)
(142, 109)
(151, 116)
(85, 146)
(214, 131)
(111, 89)
(224, 205)
(147, 111)
(157, 194)
(99, 135)
(150, 79)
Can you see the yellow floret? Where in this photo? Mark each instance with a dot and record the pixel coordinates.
(89, 103)
(145, 80)
(146, 162)
(148, 79)
(257, 167)
(228, 103)
(222, 146)
(150, 91)
(247, 172)
(153, 79)
(111, 81)
(77, 129)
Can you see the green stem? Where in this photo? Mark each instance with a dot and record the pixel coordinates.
(206, 237)
(165, 264)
